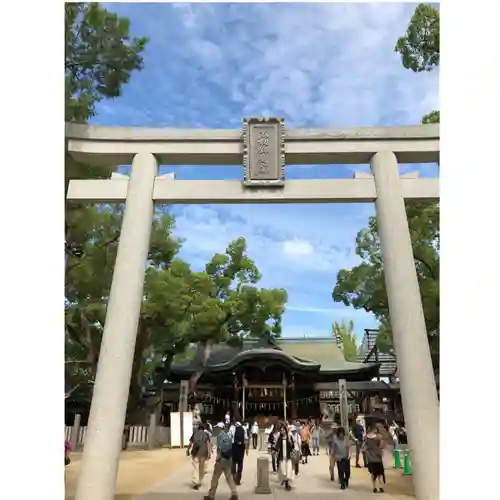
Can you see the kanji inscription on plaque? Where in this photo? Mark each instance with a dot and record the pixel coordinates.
(264, 152)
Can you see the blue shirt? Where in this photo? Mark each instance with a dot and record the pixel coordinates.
(358, 431)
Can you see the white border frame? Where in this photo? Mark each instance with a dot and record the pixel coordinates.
(33, 262)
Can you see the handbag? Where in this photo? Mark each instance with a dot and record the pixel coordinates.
(295, 455)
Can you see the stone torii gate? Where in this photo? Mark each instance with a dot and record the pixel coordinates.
(264, 147)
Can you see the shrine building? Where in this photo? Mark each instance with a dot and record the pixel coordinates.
(267, 379)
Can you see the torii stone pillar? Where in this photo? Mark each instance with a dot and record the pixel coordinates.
(97, 479)
(418, 388)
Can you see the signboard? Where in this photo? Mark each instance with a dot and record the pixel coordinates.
(175, 428)
(264, 152)
(329, 395)
(336, 402)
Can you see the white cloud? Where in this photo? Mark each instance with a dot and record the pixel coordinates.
(316, 252)
(297, 248)
(317, 65)
(315, 310)
(342, 70)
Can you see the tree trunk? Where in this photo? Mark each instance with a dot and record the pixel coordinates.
(136, 381)
(207, 350)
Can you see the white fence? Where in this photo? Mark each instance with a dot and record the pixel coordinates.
(138, 436)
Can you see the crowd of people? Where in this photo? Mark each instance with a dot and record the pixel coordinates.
(290, 446)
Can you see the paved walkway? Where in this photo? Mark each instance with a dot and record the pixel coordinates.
(138, 471)
(313, 483)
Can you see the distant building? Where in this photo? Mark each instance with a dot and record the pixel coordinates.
(368, 352)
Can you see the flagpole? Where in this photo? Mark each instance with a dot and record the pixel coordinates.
(243, 397)
(284, 398)
(285, 439)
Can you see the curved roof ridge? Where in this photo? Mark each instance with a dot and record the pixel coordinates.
(270, 352)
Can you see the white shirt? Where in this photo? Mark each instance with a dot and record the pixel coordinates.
(297, 439)
(255, 428)
(392, 431)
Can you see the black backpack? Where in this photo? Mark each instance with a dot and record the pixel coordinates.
(239, 435)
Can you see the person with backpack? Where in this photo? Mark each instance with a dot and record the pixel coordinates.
(240, 446)
(200, 449)
(223, 464)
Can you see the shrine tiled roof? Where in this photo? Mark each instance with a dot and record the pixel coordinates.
(320, 355)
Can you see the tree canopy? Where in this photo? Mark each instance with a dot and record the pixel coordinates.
(100, 57)
(419, 47)
(363, 286)
(346, 339)
(181, 307)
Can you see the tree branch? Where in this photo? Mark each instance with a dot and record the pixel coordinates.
(427, 266)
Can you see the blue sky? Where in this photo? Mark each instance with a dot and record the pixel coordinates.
(316, 65)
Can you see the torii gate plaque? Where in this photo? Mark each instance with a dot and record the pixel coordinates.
(264, 152)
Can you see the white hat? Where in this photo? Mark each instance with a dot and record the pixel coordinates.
(292, 428)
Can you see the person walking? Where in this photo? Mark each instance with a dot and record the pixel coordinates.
(199, 448)
(305, 436)
(209, 428)
(285, 448)
(223, 465)
(315, 432)
(255, 434)
(341, 450)
(385, 439)
(373, 448)
(328, 436)
(358, 433)
(209, 462)
(329, 448)
(67, 452)
(402, 436)
(272, 441)
(240, 447)
(295, 457)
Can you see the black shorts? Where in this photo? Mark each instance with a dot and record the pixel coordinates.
(376, 469)
(305, 449)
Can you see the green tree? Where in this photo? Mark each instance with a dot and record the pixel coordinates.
(236, 308)
(100, 57)
(363, 286)
(419, 47)
(346, 339)
(181, 308)
(88, 282)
